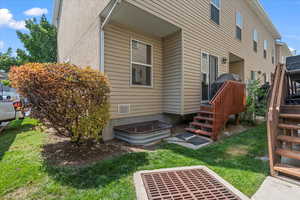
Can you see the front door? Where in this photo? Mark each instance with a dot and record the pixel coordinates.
(209, 74)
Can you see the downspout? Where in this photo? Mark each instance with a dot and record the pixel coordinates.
(102, 34)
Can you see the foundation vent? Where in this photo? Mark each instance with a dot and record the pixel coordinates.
(124, 108)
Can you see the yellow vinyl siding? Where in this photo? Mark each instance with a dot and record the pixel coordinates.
(172, 72)
(201, 34)
(143, 101)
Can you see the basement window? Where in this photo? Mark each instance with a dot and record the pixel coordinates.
(215, 11)
(141, 64)
(239, 26)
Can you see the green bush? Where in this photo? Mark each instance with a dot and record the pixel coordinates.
(256, 104)
(72, 100)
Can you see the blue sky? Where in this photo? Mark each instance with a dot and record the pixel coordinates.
(12, 15)
(284, 14)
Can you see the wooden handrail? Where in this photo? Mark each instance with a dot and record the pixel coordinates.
(229, 100)
(277, 98)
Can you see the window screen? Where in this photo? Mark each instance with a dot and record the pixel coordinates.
(141, 64)
(215, 11)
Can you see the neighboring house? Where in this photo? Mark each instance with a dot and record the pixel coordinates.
(3, 75)
(282, 52)
(160, 56)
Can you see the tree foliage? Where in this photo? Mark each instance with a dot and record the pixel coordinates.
(7, 60)
(40, 43)
(256, 102)
(72, 100)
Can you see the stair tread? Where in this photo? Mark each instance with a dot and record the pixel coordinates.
(287, 169)
(197, 131)
(284, 115)
(289, 126)
(201, 125)
(288, 153)
(289, 139)
(204, 118)
(206, 112)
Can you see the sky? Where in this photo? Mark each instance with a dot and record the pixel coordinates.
(284, 14)
(12, 16)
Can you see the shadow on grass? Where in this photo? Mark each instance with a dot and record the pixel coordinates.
(7, 137)
(240, 152)
(100, 174)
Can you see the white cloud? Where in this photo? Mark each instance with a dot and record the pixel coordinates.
(36, 12)
(1, 45)
(7, 19)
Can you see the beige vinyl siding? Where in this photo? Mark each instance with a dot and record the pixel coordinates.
(201, 34)
(78, 32)
(172, 73)
(142, 100)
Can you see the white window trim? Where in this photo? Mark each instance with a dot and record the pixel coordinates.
(146, 65)
(212, 3)
(208, 73)
(266, 42)
(219, 8)
(236, 19)
(255, 39)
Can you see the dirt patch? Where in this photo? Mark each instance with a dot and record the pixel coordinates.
(238, 150)
(59, 151)
(21, 193)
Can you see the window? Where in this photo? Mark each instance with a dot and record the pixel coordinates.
(265, 77)
(283, 60)
(255, 40)
(239, 25)
(273, 56)
(205, 76)
(253, 76)
(205, 67)
(265, 48)
(215, 11)
(141, 64)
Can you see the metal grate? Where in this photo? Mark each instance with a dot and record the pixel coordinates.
(191, 184)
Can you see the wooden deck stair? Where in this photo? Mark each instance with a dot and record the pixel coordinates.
(283, 127)
(211, 118)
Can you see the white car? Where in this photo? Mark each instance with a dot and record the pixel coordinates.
(11, 107)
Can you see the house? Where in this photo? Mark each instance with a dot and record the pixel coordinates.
(282, 52)
(161, 56)
(3, 75)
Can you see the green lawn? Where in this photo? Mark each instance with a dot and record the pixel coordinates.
(24, 174)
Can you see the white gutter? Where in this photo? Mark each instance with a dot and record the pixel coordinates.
(102, 34)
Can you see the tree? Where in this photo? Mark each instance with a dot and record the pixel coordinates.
(72, 100)
(40, 43)
(7, 60)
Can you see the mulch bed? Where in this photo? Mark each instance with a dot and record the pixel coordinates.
(59, 151)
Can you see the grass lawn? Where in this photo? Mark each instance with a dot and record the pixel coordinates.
(25, 175)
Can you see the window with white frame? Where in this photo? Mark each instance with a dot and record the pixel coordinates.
(215, 10)
(239, 25)
(266, 44)
(205, 68)
(255, 40)
(253, 76)
(273, 56)
(283, 60)
(141, 63)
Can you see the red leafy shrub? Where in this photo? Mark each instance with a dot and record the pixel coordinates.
(72, 100)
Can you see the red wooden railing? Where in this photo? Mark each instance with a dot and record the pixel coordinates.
(229, 100)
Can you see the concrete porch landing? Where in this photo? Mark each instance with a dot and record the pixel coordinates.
(277, 189)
